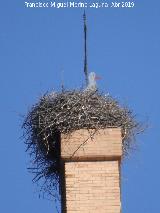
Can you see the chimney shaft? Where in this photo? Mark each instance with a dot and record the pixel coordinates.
(91, 174)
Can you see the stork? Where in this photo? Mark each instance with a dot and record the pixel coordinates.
(91, 78)
(92, 86)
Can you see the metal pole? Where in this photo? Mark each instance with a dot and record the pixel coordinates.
(85, 49)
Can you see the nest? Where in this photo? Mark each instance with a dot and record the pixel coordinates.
(66, 112)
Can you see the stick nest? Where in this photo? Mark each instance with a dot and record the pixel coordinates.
(65, 112)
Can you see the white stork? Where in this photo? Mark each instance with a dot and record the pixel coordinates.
(92, 86)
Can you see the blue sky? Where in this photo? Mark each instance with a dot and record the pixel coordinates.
(123, 48)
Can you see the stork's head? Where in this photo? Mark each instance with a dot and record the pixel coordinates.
(93, 77)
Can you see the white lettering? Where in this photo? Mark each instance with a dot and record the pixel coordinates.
(59, 5)
(53, 4)
(40, 4)
(72, 4)
(32, 4)
(80, 4)
(27, 4)
(45, 4)
(65, 4)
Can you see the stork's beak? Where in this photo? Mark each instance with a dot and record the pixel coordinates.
(97, 77)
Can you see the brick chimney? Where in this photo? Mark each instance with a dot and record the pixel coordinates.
(91, 171)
